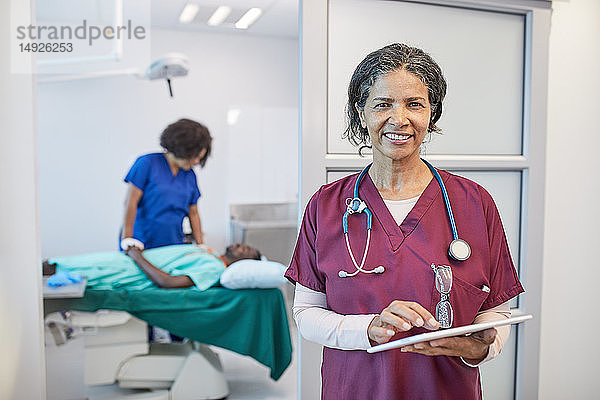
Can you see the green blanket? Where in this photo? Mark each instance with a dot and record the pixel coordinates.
(251, 322)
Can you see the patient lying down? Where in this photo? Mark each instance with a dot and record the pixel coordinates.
(169, 267)
(165, 280)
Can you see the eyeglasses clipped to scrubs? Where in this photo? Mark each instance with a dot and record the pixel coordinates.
(443, 283)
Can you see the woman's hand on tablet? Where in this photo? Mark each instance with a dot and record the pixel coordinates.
(473, 348)
(399, 316)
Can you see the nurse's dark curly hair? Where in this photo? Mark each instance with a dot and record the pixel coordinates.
(389, 58)
(186, 139)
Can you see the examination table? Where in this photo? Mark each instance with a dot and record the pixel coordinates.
(251, 322)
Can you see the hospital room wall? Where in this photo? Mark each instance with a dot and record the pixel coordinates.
(21, 335)
(569, 321)
(91, 131)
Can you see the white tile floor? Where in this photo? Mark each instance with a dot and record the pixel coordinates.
(247, 380)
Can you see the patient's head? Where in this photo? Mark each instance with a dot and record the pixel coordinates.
(238, 251)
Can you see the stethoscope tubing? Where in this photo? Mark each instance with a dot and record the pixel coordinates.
(446, 199)
(459, 250)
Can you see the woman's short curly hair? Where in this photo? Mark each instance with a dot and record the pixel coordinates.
(387, 59)
(186, 139)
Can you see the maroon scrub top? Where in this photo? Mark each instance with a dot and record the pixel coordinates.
(406, 252)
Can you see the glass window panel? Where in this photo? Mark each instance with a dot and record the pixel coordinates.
(498, 375)
(335, 175)
(505, 189)
(483, 107)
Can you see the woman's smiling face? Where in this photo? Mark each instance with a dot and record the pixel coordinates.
(396, 115)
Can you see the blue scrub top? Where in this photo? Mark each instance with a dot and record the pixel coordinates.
(165, 201)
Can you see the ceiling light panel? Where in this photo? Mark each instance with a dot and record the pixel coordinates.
(189, 13)
(220, 15)
(248, 18)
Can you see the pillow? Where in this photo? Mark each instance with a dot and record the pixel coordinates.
(251, 274)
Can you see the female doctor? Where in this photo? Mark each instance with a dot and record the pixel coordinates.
(373, 262)
(162, 189)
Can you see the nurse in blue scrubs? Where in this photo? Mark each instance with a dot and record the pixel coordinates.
(162, 189)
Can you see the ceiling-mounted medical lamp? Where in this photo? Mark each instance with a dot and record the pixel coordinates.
(168, 66)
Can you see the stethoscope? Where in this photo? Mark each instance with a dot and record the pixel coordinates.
(458, 250)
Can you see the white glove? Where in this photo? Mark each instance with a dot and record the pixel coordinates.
(131, 242)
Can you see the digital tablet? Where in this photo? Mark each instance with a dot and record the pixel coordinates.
(461, 330)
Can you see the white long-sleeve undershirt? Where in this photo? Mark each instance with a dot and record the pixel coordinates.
(349, 332)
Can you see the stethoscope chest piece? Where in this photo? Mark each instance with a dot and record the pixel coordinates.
(459, 250)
